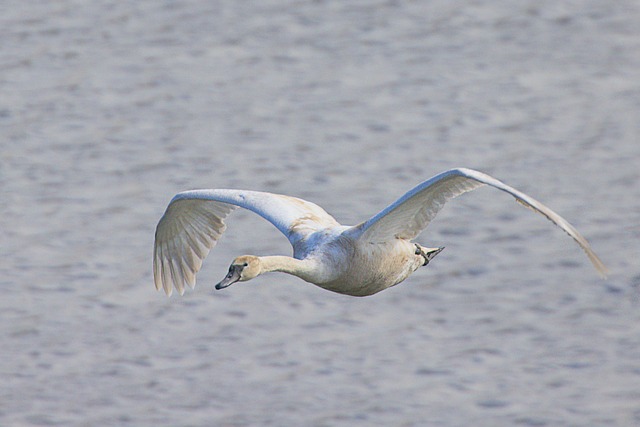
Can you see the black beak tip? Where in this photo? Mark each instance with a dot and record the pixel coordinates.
(234, 275)
(225, 284)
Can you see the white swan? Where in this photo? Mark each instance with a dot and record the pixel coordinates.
(358, 261)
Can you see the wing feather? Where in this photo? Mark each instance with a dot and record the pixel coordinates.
(413, 212)
(195, 220)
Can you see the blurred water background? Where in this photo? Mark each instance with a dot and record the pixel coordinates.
(107, 109)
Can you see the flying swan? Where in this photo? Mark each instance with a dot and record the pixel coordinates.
(360, 260)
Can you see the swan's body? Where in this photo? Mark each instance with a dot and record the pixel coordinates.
(359, 260)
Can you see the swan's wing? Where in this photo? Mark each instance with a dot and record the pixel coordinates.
(194, 221)
(413, 212)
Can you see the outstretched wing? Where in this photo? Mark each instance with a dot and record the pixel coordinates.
(195, 220)
(413, 212)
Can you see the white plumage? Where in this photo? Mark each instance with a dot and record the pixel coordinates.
(359, 260)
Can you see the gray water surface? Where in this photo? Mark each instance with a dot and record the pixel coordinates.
(107, 109)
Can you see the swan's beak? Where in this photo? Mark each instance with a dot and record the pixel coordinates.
(232, 277)
(429, 255)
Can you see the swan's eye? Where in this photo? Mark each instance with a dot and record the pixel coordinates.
(417, 250)
(245, 264)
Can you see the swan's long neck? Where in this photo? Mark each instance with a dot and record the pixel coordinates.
(303, 268)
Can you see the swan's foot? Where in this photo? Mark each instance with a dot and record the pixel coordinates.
(429, 254)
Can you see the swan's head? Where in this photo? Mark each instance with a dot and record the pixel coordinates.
(243, 268)
(427, 254)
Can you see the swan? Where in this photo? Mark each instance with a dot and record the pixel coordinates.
(360, 260)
